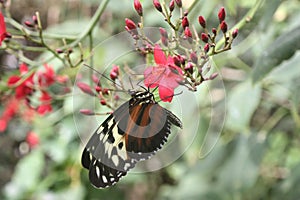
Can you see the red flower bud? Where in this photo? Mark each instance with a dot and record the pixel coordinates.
(105, 91)
(221, 14)
(223, 26)
(194, 57)
(34, 19)
(187, 32)
(138, 7)
(163, 32)
(172, 5)
(32, 139)
(189, 67)
(202, 21)
(177, 61)
(85, 88)
(98, 88)
(214, 31)
(130, 24)
(204, 37)
(59, 51)
(103, 102)
(28, 23)
(185, 22)
(235, 33)
(206, 48)
(157, 5)
(179, 3)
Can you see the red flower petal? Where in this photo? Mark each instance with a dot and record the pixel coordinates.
(2, 28)
(3, 124)
(12, 80)
(159, 55)
(23, 69)
(165, 94)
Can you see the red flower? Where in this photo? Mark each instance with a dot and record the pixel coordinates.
(45, 106)
(23, 87)
(32, 139)
(47, 77)
(3, 33)
(166, 75)
(10, 110)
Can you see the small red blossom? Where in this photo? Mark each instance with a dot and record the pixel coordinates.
(47, 77)
(157, 5)
(130, 24)
(11, 108)
(172, 5)
(179, 3)
(202, 21)
(23, 87)
(185, 22)
(187, 32)
(223, 26)
(45, 106)
(138, 7)
(32, 139)
(204, 37)
(166, 75)
(221, 14)
(3, 32)
(235, 33)
(114, 73)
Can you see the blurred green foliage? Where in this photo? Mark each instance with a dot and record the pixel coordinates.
(256, 155)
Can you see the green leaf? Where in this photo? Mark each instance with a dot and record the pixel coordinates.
(281, 49)
(243, 100)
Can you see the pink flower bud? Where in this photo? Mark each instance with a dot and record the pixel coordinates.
(59, 51)
(194, 57)
(85, 88)
(221, 14)
(172, 5)
(32, 139)
(34, 19)
(235, 33)
(28, 23)
(179, 3)
(213, 76)
(202, 21)
(189, 67)
(163, 32)
(185, 22)
(206, 48)
(204, 37)
(187, 32)
(130, 24)
(103, 102)
(214, 31)
(138, 7)
(223, 26)
(157, 5)
(86, 112)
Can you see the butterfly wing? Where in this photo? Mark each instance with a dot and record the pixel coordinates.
(132, 133)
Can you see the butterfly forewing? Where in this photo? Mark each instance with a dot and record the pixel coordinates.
(134, 132)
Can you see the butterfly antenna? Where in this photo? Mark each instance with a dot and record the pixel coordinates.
(114, 82)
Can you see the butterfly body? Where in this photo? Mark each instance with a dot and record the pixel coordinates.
(133, 132)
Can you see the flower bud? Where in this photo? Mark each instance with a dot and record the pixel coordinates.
(194, 58)
(214, 31)
(204, 37)
(86, 112)
(235, 33)
(179, 3)
(206, 48)
(85, 88)
(59, 51)
(172, 5)
(138, 7)
(32, 139)
(177, 61)
(28, 24)
(185, 22)
(130, 24)
(221, 14)
(202, 21)
(223, 26)
(103, 102)
(213, 76)
(189, 67)
(157, 5)
(187, 32)
(163, 32)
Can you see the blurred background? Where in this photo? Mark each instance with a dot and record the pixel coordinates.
(254, 153)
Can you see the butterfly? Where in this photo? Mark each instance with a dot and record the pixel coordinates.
(133, 132)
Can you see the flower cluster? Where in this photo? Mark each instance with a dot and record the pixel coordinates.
(182, 54)
(27, 86)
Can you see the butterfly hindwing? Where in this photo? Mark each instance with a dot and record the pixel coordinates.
(133, 132)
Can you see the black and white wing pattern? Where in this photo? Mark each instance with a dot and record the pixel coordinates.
(133, 132)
